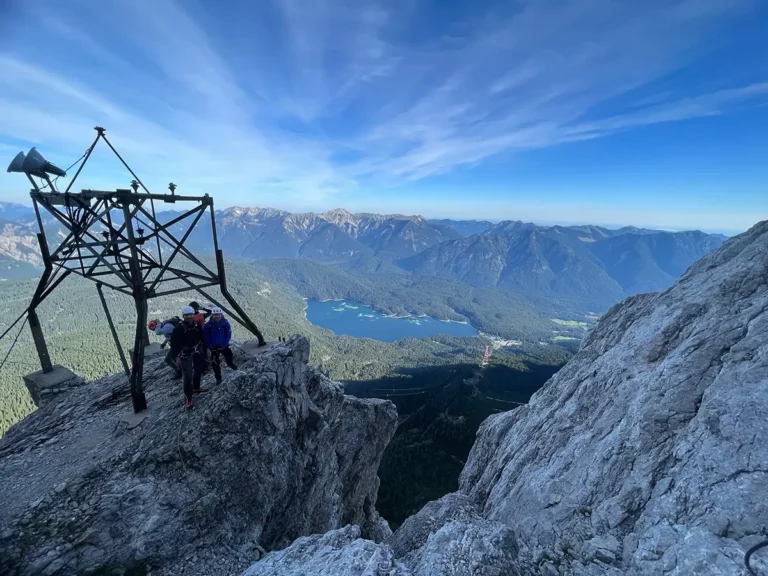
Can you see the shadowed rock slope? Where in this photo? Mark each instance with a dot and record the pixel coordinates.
(645, 454)
(275, 452)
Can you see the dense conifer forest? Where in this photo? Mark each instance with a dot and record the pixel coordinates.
(78, 335)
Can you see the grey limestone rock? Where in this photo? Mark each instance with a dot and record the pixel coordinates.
(446, 537)
(475, 547)
(275, 452)
(415, 531)
(646, 453)
(603, 548)
(336, 553)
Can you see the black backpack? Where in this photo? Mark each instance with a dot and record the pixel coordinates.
(175, 321)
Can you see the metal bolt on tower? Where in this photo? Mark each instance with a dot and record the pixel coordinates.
(115, 239)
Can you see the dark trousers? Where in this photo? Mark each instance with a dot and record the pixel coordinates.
(216, 355)
(192, 366)
(172, 363)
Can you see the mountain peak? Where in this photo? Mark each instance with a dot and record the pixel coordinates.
(338, 216)
(337, 212)
(235, 212)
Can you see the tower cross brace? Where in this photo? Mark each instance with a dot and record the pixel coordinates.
(110, 239)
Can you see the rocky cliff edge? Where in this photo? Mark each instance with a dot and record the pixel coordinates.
(274, 453)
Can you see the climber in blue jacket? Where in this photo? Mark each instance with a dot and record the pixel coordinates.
(218, 333)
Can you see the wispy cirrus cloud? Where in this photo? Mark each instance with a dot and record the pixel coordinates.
(537, 76)
(295, 99)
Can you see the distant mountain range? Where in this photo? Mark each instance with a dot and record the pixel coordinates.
(336, 236)
(466, 227)
(19, 251)
(590, 263)
(12, 212)
(586, 262)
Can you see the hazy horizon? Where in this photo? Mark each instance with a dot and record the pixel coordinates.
(437, 216)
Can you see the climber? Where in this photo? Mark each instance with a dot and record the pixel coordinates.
(189, 349)
(166, 328)
(218, 333)
(200, 317)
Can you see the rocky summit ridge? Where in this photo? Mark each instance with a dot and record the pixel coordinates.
(275, 452)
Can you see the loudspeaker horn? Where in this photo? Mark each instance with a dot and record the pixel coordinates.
(35, 165)
(17, 163)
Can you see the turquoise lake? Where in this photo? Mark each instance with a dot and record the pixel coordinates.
(353, 319)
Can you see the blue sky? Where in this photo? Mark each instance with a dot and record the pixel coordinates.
(649, 113)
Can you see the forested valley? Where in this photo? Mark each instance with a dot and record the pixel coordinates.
(441, 392)
(440, 409)
(498, 312)
(78, 335)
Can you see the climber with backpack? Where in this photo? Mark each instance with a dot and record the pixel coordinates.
(165, 328)
(218, 333)
(189, 349)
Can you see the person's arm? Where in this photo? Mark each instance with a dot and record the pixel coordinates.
(207, 336)
(164, 329)
(203, 343)
(227, 334)
(176, 342)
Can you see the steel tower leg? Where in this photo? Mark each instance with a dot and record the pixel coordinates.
(37, 298)
(140, 300)
(232, 302)
(37, 336)
(112, 329)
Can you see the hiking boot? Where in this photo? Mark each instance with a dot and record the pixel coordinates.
(218, 380)
(232, 366)
(188, 404)
(177, 376)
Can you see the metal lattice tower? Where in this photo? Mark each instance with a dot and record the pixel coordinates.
(115, 239)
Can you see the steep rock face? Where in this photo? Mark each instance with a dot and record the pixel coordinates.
(275, 452)
(646, 453)
(449, 536)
